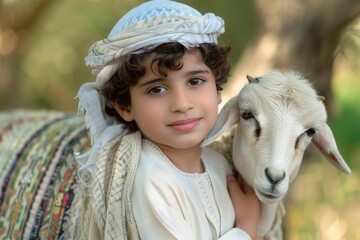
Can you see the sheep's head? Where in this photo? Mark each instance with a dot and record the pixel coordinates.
(277, 116)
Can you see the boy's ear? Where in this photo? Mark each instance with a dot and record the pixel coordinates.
(123, 111)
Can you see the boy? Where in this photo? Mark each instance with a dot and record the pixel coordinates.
(159, 77)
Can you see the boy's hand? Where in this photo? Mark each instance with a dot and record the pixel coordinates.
(246, 206)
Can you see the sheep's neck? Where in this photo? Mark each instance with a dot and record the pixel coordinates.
(267, 218)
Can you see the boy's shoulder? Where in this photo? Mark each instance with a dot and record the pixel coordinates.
(215, 159)
(212, 153)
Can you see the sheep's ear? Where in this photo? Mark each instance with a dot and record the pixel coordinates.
(324, 142)
(228, 116)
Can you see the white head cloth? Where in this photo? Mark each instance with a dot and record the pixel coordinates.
(140, 30)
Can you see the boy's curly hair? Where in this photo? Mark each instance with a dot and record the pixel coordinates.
(167, 57)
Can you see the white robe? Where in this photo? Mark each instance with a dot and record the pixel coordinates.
(170, 204)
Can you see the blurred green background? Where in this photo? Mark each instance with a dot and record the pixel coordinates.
(43, 44)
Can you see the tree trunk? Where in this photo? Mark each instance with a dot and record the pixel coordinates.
(300, 35)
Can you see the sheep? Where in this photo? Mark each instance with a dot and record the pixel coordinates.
(277, 115)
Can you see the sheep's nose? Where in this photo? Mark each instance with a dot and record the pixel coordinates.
(274, 175)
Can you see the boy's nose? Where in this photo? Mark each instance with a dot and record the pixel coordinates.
(181, 101)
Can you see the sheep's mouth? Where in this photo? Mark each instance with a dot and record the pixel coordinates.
(269, 197)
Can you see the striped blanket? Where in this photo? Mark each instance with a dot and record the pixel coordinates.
(38, 172)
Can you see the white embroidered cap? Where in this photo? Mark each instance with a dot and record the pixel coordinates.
(140, 30)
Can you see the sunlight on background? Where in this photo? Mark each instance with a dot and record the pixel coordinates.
(324, 204)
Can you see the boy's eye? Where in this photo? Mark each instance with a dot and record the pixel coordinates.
(157, 90)
(196, 81)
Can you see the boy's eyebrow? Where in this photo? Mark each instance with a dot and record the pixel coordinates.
(195, 72)
(152, 81)
(190, 73)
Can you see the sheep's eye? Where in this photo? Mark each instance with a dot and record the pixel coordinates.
(247, 115)
(310, 132)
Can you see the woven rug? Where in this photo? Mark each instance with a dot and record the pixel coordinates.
(38, 172)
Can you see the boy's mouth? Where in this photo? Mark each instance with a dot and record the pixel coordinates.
(185, 125)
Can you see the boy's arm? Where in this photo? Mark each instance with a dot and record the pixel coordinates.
(246, 206)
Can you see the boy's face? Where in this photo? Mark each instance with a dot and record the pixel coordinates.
(176, 111)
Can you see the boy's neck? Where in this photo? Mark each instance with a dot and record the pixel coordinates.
(187, 160)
